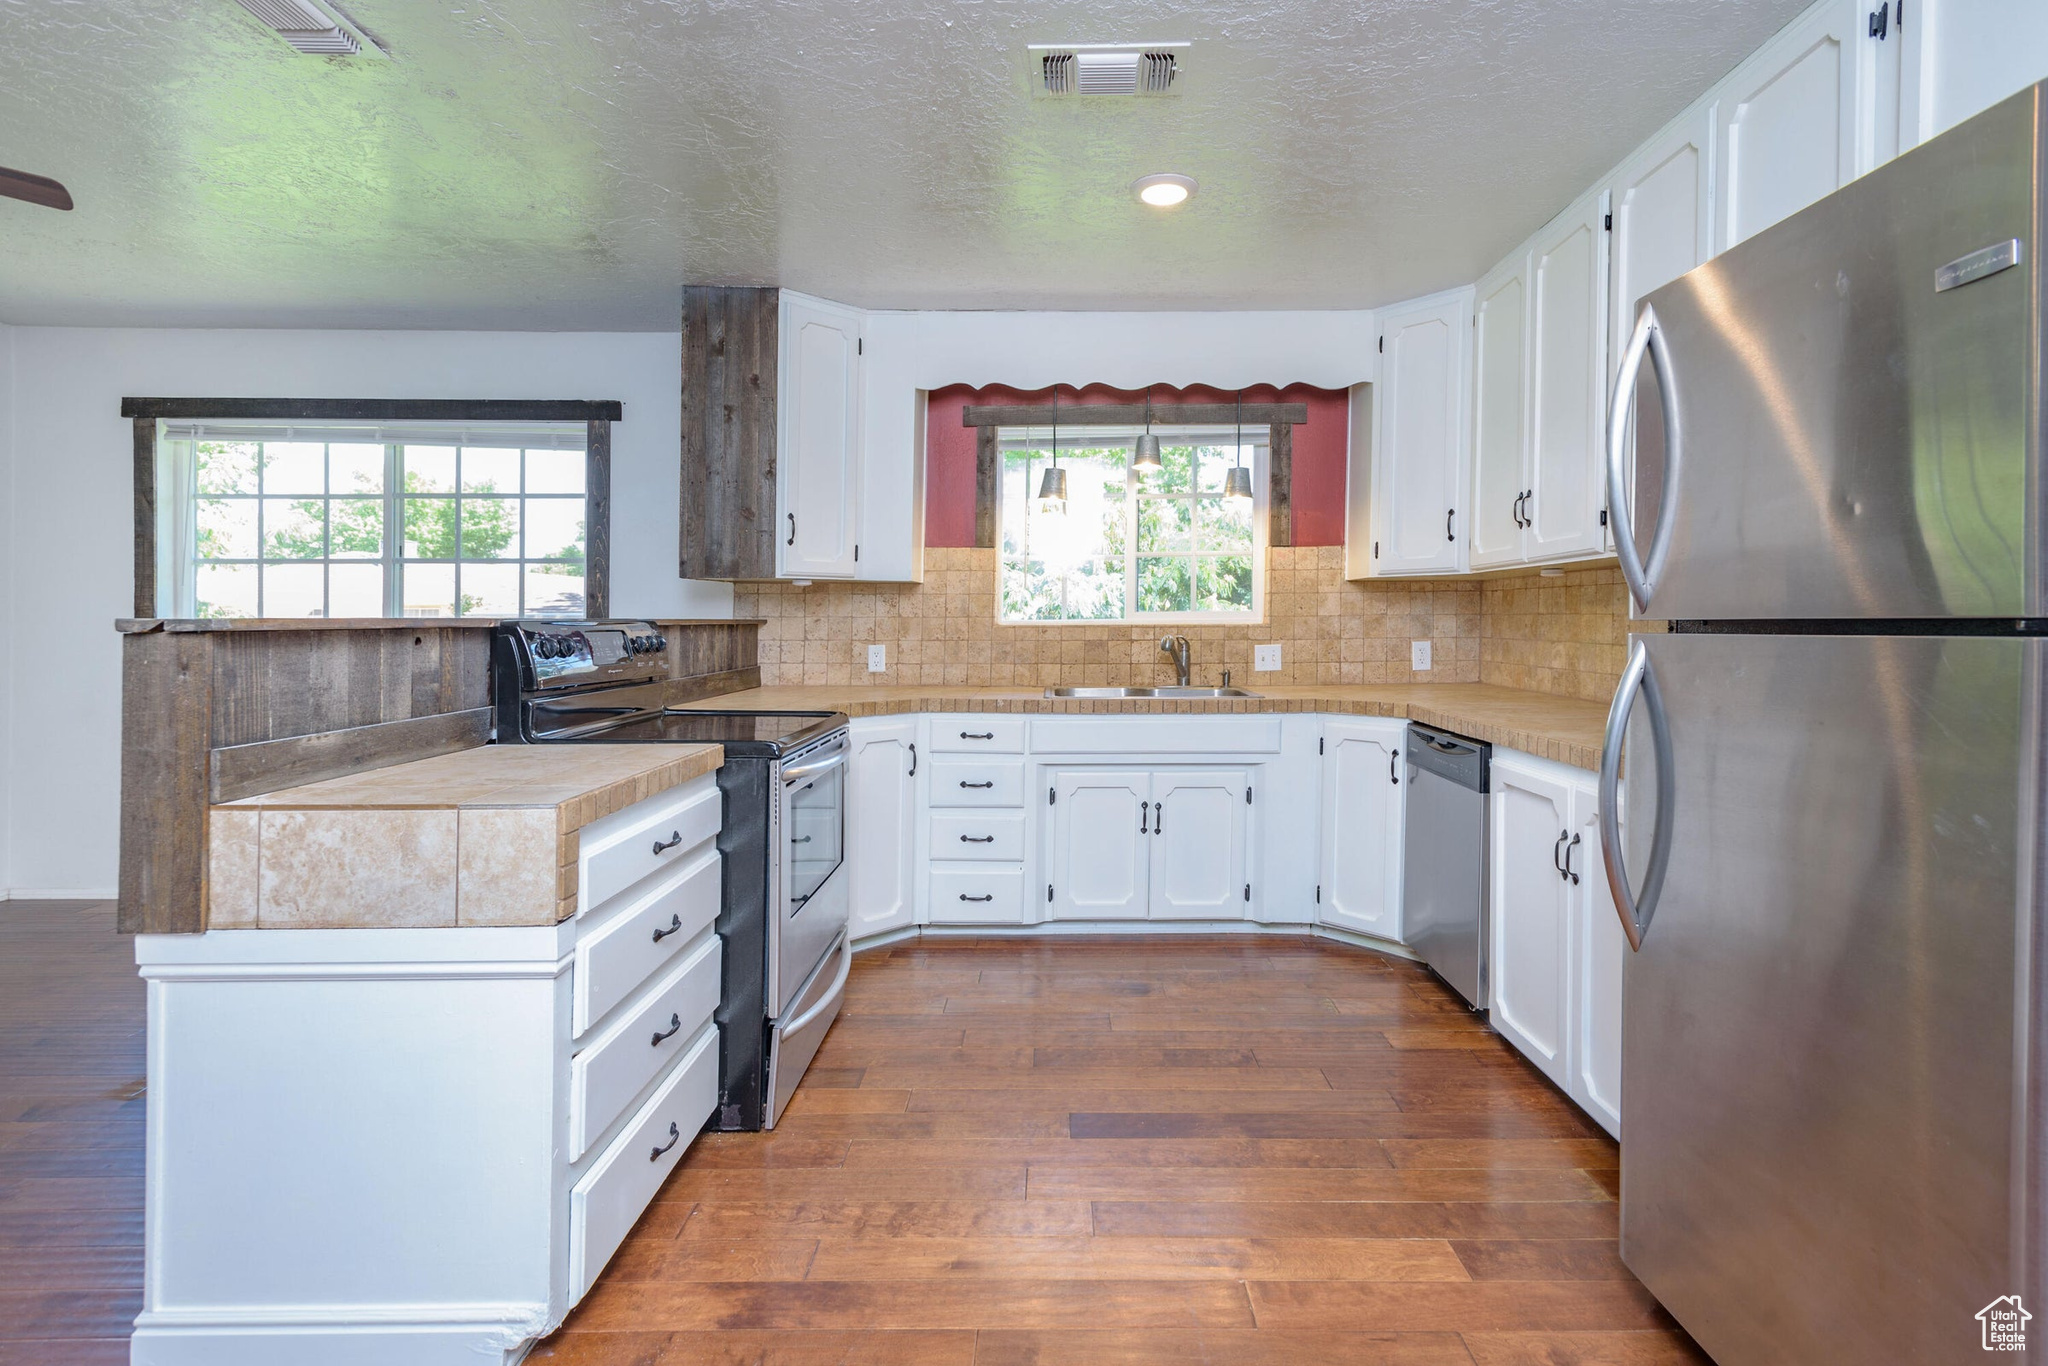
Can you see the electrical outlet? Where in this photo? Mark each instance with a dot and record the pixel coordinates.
(1418, 656)
(878, 658)
(1265, 658)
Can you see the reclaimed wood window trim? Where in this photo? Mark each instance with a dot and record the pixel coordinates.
(598, 415)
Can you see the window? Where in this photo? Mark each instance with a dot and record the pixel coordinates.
(338, 521)
(1164, 546)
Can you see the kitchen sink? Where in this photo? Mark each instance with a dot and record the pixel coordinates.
(1169, 694)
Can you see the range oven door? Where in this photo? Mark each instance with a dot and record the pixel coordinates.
(795, 1038)
(810, 901)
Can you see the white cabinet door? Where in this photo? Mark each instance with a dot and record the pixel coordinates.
(1567, 382)
(1598, 953)
(892, 449)
(818, 442)
(881, 825)
(1787, 125)
(1500, 363)
(1419, 458)
(1198, 844)
(1531, 905)
(1101, 854)
(1663, 218)
(1359, 883)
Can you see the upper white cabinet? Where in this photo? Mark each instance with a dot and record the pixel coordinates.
(818, 439)
(881, 824)
(1567, 383)
(1359, 874)
(1500, 412)
(1160, 844)
(1788, 121)
(1422, 436)
(1663, 216)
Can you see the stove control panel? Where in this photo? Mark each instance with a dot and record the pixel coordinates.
(561, 654)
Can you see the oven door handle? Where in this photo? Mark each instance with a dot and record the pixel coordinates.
(845, 947)
(805, 772)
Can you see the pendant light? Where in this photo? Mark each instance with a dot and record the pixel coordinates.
(1052, 489)
(1145, 459)
(1237, 483)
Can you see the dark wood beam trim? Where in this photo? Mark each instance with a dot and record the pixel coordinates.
(597, 520)
(1280, 484)
(987, 470)
(1128, 414)
(239, 771)
(376, 409)
(145, 516)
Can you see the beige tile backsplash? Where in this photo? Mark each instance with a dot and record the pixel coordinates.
(1567, 636)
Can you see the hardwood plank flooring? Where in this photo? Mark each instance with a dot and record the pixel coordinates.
(1096, 1151)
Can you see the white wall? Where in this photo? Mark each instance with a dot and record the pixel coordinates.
(6, 594)
(66, 554)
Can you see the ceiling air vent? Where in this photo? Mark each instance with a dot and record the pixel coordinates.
(312, 28)
(1106, 68)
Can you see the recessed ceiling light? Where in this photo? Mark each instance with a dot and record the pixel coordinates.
(1164, 191)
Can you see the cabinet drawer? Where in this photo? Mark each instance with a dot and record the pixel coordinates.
(996, 835)
(609, 1198)
(632, 945)
(977, 894)
(608, 1075)
(641, 840)
(978, 735)
(977, 782)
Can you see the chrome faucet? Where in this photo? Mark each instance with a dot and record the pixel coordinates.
(1177, 646)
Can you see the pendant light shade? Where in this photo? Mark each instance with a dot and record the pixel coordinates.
(1145, 458)
(1237, 483)
(1052, 487)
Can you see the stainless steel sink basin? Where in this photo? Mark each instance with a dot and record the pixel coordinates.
(1168, 694)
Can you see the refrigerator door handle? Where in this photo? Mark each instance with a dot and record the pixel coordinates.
(1641, 572)
(1635, 913)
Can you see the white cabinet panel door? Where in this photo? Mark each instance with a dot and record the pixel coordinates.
(819, 438)
(1198, 844)
(1531, 907)
(1663, 218)
(881, 826)
(1360, 877)
(1567, 382)
(1599, 951)
(1500, 363)
(1101, 857)
(1787, 126)
(1419, 457)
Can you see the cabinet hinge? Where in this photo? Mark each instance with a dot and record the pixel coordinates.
(1383, 345)
(1048, 891)
(1603, 516)
(1247, 796)
(860, 346)
(1880, 22)
(1051, 795)
(856, 554)
(1319, 894)
(1607, 222)
(1247, 891)
(1319, 744)
(1375, 550)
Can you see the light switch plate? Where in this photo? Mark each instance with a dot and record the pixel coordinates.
(1418, 655)
(1265, 658)
(878, 659)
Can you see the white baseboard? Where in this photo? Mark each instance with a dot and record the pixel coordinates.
(420, 1335)
(58, 894)
(1073, 928)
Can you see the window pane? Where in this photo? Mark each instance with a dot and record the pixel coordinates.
(554, 590)
(1089, 592)
(1223, 524)
(355, 468)
(1176, 470)
(554, 528)
(429, 590)
(430, 532)
(1224, 584)
(490, 590)
(490, 528)
(227, 466)
(1163, 586)
(355, 590)
(430, 469)
(227, 528)
(1164, 524)
(294, 467)
(355, 528)
(554, 471)
(293, 590)
(293, 529)
(487, 469)
(227, 590)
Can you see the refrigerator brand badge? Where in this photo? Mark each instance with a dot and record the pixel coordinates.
(2005, 1324)
(1978, 264)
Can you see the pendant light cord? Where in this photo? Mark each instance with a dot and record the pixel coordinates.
(1237, 453)
(1055, 425)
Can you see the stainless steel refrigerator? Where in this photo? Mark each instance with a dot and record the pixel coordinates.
(1832, 527)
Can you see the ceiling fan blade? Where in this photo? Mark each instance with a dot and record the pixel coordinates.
(36, 189)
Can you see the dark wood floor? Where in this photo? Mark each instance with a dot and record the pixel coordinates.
(1224, 1151)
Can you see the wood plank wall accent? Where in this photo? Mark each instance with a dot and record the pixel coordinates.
(598, 413)
(730, 363)
(1278, 418)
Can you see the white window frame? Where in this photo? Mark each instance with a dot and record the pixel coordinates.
(1082, 436)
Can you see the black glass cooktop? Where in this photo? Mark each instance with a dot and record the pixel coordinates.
(761, 733)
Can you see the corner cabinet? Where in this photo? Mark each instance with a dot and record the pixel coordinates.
(1422, 436)
(1358, 880)
(881, 824)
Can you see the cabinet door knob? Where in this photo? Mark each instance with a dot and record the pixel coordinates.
(1569, 871)
(977, 839)
(913, 761)
(1394, 767)
(965, 783)
(1144, 817)
(675, 1024)
(675, 923)
(1557, 854)
(989, 897)
(675, 837)
(792, 528)
(977, 735)
(675, 1136)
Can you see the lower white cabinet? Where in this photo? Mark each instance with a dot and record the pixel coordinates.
(1599, 953)
(1359, 873)
(1142, 843)
(881, 824)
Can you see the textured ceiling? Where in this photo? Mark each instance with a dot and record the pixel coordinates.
(570, 163)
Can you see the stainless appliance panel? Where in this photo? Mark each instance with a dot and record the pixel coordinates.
(1819, 1027)
(1443, 889)
(809, 901)
(795, 1039)
(1857, 442)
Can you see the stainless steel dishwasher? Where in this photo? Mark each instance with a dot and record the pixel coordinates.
(1443, 889)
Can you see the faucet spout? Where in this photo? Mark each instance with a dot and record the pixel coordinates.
(1177, 648)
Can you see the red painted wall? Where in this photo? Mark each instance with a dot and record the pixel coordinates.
(1320, 448)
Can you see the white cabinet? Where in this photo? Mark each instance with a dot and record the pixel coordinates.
(1160, 844)
(1529, 904)
(1500, 369)
(1787, 124)
(1359, 877)
(1599, 951)
(1567, 383)
(881, 824)
(1198, 844)
(1663, 217)
(1100, 863)
(1422, 436)
(818, 438)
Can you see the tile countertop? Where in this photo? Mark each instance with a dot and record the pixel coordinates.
(1561, 728)
(484, 836)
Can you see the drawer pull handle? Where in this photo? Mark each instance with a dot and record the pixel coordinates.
(675, 923)
(977, 839)
(989, 897)
(801, 839)
(965, 783)
(675, 1136)
(675, 1025)
(980, 735)
(663, 846)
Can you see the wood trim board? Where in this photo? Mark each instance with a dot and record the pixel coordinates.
(376, 409)
(237, 771)
(1130, 414)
